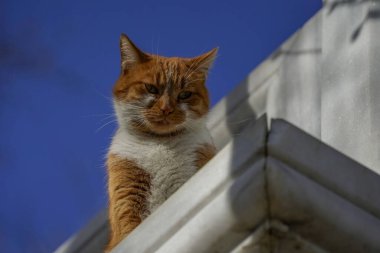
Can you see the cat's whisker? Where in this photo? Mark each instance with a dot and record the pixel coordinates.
(207, 62)
(99, 115)
(104, 125)
(107, 118)
(109, 99)
(158, 45)
(187, 74)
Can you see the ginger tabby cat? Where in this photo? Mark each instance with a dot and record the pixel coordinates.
(162, 140)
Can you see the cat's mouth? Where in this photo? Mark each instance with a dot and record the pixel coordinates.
(164, 122)
(164, 126)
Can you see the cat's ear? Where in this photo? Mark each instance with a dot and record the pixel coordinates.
(130, 53)
(204, 62)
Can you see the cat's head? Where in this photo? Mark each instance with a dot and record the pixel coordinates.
(160, 95)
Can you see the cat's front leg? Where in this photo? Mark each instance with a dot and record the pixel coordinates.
(128, 188)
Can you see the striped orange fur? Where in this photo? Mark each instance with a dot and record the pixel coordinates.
(161, 105)
(128, 187)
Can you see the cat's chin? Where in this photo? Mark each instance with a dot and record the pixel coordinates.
(156, 128)
(165, 128)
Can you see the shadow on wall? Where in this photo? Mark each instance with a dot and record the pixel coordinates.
(335, 4)
(280, 52)
(240, 116)
(371, 14)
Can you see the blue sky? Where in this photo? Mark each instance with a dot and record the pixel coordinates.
(58, 62)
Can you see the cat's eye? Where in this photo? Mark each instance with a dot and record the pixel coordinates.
(184, 95)
(151, 88)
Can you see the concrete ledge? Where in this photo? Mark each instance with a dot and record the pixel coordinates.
(276, 237)
(319, 215)
(278, 177)
(277, 185)
(319, 162)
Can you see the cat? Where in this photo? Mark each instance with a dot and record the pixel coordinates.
(161, 105)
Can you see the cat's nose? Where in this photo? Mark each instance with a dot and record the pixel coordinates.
(166, 109)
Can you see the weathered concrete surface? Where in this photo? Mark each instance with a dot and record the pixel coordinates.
(276, 237)
(351, 79)
(324, 79)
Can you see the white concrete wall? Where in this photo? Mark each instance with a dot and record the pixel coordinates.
(325, 79)
(351, 80)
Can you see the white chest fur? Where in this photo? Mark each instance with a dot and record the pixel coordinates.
(170, 162)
